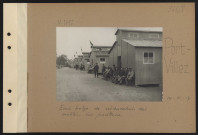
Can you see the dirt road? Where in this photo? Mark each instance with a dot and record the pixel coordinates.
(76, 85)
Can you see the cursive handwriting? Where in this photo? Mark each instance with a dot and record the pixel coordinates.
(173, 63)
(98, 111)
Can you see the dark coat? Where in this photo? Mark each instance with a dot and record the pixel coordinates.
(96, 67)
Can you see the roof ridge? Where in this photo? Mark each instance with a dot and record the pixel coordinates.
(144, 43)
(140, 29)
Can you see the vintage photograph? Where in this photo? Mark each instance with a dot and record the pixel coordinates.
(109, 63)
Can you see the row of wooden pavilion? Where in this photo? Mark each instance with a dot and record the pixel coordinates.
(136, 48)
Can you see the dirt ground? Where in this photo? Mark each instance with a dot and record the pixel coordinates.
(76, 85)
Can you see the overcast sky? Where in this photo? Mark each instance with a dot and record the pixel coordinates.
(70, 40)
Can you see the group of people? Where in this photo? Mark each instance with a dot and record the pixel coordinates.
(119, 75)
(116, 75)
(81, 67)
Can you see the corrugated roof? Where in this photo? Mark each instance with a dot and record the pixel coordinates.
(144, 43)
(140, 29)
(101, 46)
(101, 52)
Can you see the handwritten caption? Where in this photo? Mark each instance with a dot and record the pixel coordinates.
(181, 99)
(65, 22)
(176, 8)
(97, 112)
(173, 56)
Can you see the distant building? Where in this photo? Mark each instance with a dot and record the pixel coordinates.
(99, 54)
(85, 59)
(79, 59)
(75, 61)
(141, 50)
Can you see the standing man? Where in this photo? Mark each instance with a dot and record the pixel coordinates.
(96, 70)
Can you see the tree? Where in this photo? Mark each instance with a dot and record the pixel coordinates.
(62, 60)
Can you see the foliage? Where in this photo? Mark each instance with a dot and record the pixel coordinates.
(62, 60)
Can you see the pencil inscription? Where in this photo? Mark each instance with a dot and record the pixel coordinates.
(65, 22)
(98, 111)
(173, 56)
(176, 8)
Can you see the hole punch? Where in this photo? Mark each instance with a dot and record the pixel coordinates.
(9, 34)
(9, 91)
(9, 47)
(10, 104)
